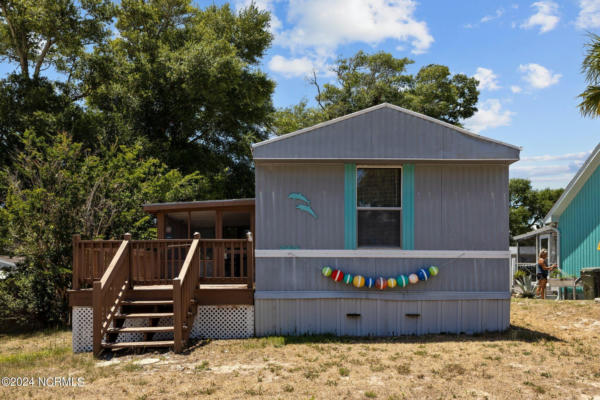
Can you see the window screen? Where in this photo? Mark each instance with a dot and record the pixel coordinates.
(379, 187)
(379, 207)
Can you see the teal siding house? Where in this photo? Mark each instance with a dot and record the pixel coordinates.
(576, 215)
(571, 230)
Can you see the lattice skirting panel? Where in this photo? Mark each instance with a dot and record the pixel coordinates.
(83, 322)
(214, 322)
(224, 322)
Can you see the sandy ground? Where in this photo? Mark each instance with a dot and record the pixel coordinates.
(552, 350)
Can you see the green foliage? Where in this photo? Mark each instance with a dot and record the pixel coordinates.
(525, 286)
(145, 93)
(519, 274)
(590, 98)
(51, 33)
(529, 206)
(59, 188)
(365, 80)
(186, 82)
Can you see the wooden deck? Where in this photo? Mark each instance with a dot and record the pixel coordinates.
(152, 279)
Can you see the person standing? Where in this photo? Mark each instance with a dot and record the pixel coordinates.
(542, 269)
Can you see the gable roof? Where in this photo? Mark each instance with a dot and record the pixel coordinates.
(385, 131)
(580, 178)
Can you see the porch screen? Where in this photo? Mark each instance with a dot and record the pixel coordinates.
(379, 206)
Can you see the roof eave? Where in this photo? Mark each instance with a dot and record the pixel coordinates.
(394, 107)
(580, 178)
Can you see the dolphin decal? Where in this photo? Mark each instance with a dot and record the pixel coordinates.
(307, 209)
(299, 196)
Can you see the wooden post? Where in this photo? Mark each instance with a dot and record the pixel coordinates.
(177, 317)
(97, 317)
(250, 255)
(160, 225)
(127, 237)
(76, 261)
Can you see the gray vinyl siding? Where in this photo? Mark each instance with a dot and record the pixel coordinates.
(461, 207)
(468, 295)
(385, 133)
(379, 317)
(457, 275)
(280, 225)
(457, 206)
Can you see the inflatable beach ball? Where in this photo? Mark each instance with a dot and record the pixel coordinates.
(423, 274)
(413, 278)
(433, 270)
(369, 282)
(326, 271)
(381, 283)
(402, 280)
(348, 279)
(337, 275)
(391, 282)
(358, 281)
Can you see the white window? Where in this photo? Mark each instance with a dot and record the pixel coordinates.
(379, 206)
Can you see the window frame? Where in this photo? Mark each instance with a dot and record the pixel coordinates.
(399, 209)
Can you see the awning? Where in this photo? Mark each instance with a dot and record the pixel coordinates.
(545, 229)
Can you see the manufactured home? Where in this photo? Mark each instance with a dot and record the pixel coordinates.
(382, 222)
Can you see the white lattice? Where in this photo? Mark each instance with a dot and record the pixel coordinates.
(83, 321)
(223, 322)
(214, 322)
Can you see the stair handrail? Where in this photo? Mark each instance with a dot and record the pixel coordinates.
(108, 292)
(184, 288)
(250, 258)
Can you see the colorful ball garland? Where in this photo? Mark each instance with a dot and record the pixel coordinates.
(381, 283)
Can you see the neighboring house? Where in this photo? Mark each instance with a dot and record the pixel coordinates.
(7, 264)
(380, 193)
(572, 227)
(383, 192)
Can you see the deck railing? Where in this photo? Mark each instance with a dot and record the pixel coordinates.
(91, 258)
(158, 262)
(184, 287)
(108, 293)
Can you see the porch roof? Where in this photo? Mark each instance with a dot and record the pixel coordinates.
(193, 205)
(534, 233)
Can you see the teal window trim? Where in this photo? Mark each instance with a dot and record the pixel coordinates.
(408, 206)
(350, 206)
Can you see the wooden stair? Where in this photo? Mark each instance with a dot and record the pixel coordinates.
(134, 308)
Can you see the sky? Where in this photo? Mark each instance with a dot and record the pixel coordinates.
(526, 55)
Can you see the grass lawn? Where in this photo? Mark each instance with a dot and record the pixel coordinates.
(551, 351)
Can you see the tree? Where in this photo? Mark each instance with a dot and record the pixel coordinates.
(366, 80)
(37, 34)
(528, 206)
(60, 188)
(590, 98)
(187, 82)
